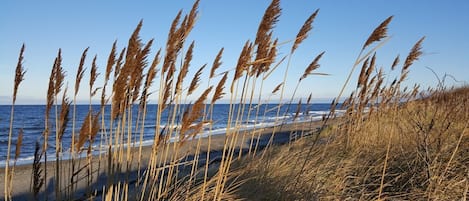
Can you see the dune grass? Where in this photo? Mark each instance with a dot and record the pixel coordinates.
(392, 143)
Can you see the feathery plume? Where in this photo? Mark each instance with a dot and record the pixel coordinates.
(216, 63)
(119, 87)
(50, 91)
(271, 15)
(64, 111)
(184, 68)
(167, 93)
(395, 63)
(19, 73)
(85, 129)
(151, 74)
(263, 40)
(192, 17)
(371, 67)
(313, 66)
(59, 73)
(261, 62)
(193, 113)
(303, 33)
(93, 75)
(137, 74)
(270, 58)
(219, 89)
(156, 61)
(195, 81)
(376, 90)
(379, 33)
(19, 142)
(361, 77)
(171, 44)
(243, 60)
(80, 71)
(110, 61)
(55, 83)
(119, 63)
(277, 88)
(414, 54)
(134, 45)
(38, 180)
(196, 129)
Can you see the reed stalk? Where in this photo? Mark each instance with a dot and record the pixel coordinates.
(19, 77)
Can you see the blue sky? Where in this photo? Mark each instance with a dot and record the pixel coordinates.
(340, 29)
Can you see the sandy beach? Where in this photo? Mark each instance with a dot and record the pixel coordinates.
(22, 179)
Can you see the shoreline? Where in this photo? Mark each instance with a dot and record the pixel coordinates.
(22, 175)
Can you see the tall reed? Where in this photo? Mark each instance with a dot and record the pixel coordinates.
(19, 77)
(331, 162)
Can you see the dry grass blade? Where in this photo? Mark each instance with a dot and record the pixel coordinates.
(219, 89)
(19, 73)
(195, 81)
(216, 63)
(303, 33)
(313, 66)
(80, 71)
(379, 33)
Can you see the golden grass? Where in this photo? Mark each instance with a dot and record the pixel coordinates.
(383, 148)
(426, 157)
(19, 77)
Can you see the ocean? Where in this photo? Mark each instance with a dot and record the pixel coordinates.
(30, 118)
